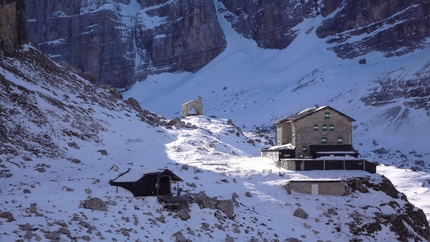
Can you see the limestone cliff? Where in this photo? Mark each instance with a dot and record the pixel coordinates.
(12, 25)
(187, 37)
(392, 27)
(124, 41)
(354, 28)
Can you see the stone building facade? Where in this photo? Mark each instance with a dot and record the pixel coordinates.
(316, 126)
(317, 187)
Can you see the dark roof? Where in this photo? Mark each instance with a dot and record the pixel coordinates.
(133, 176)
(327, 150)
(167, 172)
(307, 112)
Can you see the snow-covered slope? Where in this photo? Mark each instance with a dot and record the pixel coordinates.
(254, 87)
(46, 196)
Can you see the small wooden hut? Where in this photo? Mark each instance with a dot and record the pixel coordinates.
(157, 183)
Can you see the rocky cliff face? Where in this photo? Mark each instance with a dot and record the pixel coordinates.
(265, 21)
(413, 87)
(85, 35)
(179, 35)
(353, 27)
(270, 23)
(12, 25)
(406, 216)
(124, 41)
(391, 27)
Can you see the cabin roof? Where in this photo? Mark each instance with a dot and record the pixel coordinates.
(308, 111)
(135, 175)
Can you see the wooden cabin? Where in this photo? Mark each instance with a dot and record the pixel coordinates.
(156, 183)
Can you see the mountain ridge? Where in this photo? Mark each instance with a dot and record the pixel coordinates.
(67, 137)
(128, 40)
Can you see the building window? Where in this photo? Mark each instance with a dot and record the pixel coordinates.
(305, 148)
(324, 127)
(339, 140)
(316, 127)
(287, 155)
(327, 115)
(324, 140)
(331, 127)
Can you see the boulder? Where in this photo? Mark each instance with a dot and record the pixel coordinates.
(300, 213)
(8, 216)
(204, 201)
(226, 207)
(184, 214)
(95, 203)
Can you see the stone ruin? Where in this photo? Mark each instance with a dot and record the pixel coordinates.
(193, 105)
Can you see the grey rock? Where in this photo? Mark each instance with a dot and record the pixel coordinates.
(226, 207)
(51, 235)
(204, 201)
(176, 122)
(26, 227)
(28, 235)
(184, 214)
(300, 213)
(64, 230)
(179, 237)
(103, 152)
(67, 189)
(86, 238)
(95, 204)
(37, 237)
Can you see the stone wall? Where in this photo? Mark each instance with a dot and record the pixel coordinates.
(305, 134)
(301, 133)
(318, 187)
(283, 133)
(270, 154)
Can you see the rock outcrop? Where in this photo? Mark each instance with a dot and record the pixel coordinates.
(124, 41)
(354, 28)
(394, 27)
(412, 87)
(407, 216)
(180, 35)
(12, 25)
(270, 23)
(85, 35)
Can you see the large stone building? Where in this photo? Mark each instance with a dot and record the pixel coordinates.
(317, 138)
(316, 130)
